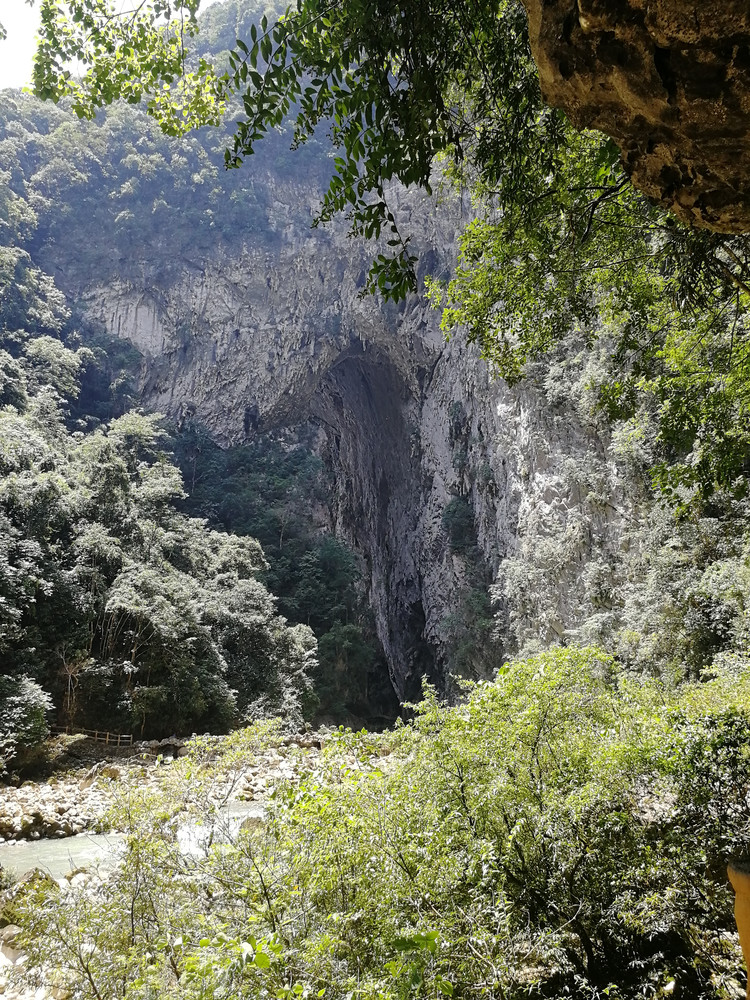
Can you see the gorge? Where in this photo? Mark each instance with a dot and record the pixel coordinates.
(269, 341)
(454, 584)
(488, 518)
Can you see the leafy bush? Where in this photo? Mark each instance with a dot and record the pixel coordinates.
(23, 717)
(563, 833)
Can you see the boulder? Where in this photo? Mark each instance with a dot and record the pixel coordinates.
(10, 953)
(252, 823)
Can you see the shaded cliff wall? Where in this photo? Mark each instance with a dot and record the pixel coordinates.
(273, 338)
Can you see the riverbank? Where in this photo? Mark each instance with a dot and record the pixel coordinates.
(86, 779)
(562, 832)
(47, 828)
(75, 792)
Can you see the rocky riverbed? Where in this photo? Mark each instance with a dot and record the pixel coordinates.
(78, 798)
(79, 792)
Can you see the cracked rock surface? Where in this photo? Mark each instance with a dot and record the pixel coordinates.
(669, 81)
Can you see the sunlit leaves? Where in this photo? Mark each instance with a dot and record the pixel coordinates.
(139, 55)
(396, 87)
(561, 830)
(133, 615)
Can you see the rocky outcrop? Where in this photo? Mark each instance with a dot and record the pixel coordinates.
(669, 81)
(80, 800)
(271, 340)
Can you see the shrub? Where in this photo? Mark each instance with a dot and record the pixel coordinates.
(562, 834)
(23, 724)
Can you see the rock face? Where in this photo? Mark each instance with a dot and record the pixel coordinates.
(408, 425)
(669, 81)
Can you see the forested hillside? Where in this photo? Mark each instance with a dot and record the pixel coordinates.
(107, 189)
(114, 200)
(547, 517)
(118, 609)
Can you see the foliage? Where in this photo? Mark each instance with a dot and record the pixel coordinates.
(560, 238)
(563, 833)
(130, 614)
(458, 523)
(116, 190)
(276, 492)
(597, 558)
(398, 91)
(140, 615)
(470, 631)
(138, 55)
(23, 711)
(587, 253)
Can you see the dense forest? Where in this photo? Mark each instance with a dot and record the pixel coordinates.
(127, 184)
(671, 600)
(125, 611)
(125, 605)
(556, 821)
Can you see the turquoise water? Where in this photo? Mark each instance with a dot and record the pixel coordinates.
(87, 850)
(58, 857)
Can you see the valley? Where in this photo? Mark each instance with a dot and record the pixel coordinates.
(384, 498)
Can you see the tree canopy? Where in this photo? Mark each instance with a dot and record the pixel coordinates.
(433, 92)
(116, 609)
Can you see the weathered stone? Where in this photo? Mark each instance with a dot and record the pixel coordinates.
(405, 422)
(90, 777)
(252, 823)
(669, 81)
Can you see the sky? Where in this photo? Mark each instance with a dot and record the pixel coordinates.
(17, 51)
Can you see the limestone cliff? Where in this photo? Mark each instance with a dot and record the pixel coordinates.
(669, 81)
(274, 338)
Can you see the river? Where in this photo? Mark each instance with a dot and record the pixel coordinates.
(60, 856)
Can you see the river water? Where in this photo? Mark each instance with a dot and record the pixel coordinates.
(58, 857)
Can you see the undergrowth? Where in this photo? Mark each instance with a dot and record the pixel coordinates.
(562, 833)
